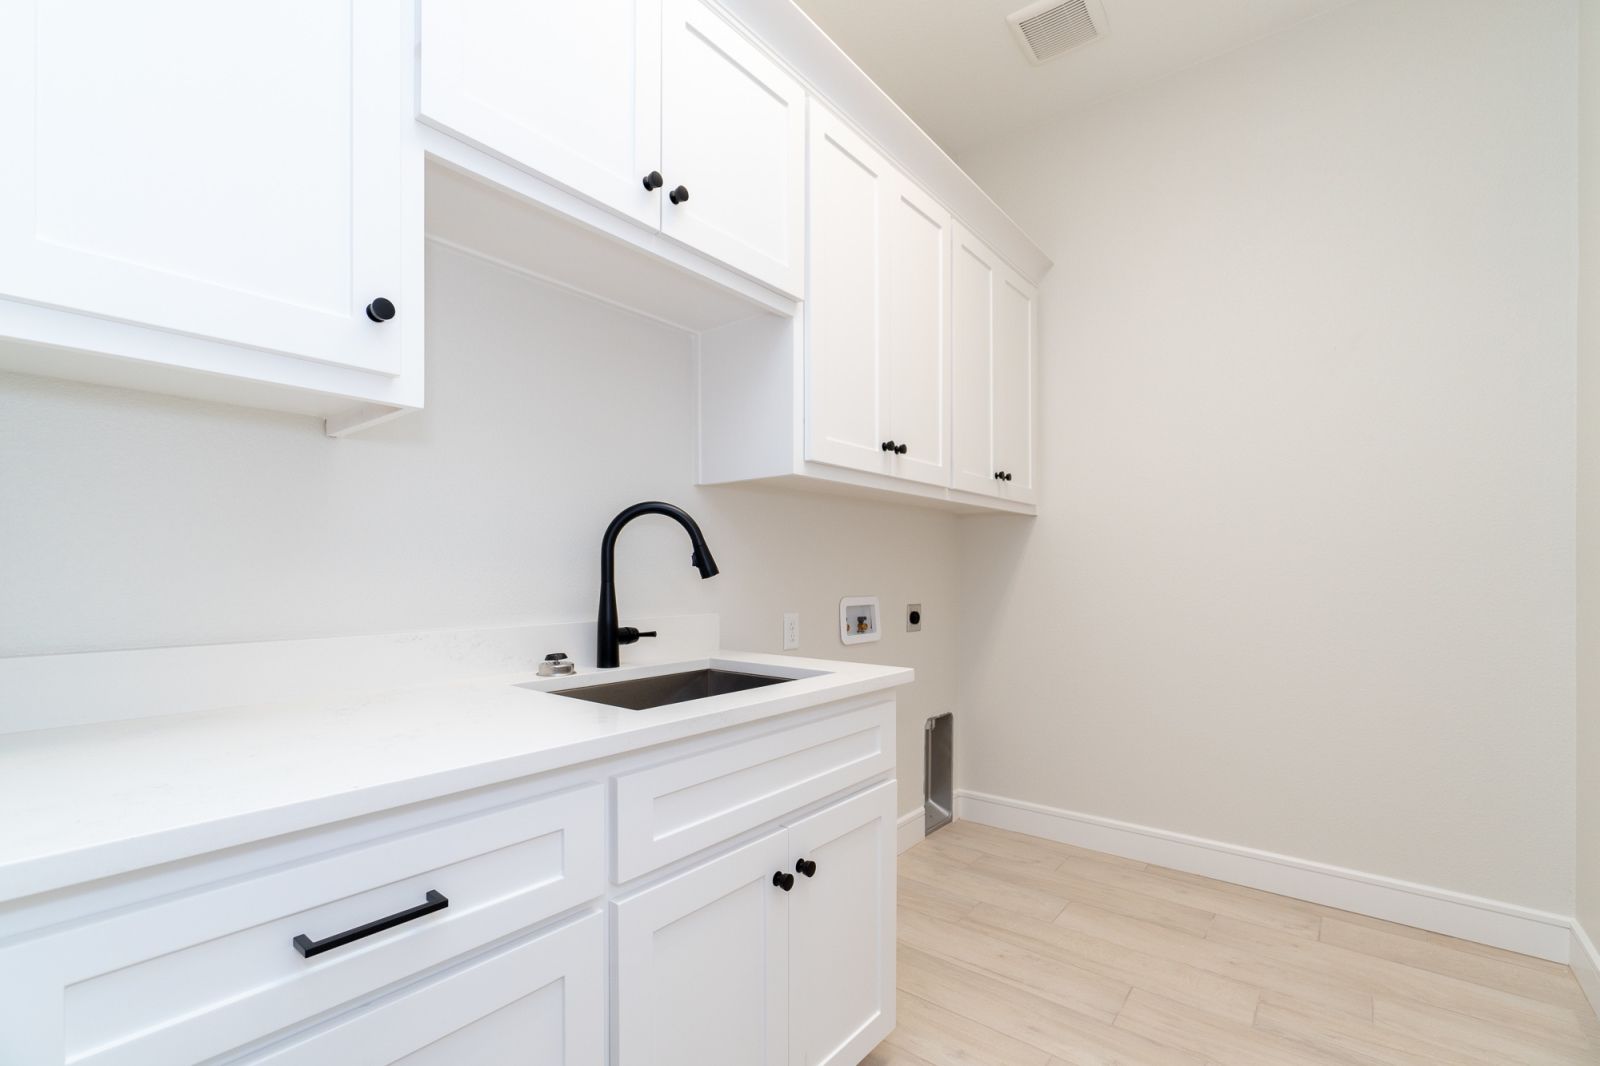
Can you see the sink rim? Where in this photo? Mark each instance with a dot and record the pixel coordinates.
(669, 690)
(592, 676)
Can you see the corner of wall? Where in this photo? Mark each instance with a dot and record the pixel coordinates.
(1587, 748)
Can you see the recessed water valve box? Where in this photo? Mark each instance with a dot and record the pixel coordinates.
(858, 620)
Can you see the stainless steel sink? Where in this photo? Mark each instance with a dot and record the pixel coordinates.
(645, 692)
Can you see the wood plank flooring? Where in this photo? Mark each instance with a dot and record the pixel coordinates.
(1016, 951)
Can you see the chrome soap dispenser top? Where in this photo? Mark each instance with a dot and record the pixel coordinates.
(608, 635)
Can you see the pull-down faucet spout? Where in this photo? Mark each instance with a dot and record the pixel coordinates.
(608, 636)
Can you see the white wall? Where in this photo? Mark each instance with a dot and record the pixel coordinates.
(1588, 835)
(1303, 575)
(135, 520)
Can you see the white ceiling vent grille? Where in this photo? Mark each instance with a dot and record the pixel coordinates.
(1054, 27)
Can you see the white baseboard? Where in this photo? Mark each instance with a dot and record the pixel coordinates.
(1485, 921)
(908, 829)
(1586, 965)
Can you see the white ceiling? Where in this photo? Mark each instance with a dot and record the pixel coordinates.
(955, 68)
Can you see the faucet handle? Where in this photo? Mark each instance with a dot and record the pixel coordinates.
(630, 635)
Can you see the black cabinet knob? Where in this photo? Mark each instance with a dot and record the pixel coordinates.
(783, 880)
(887, 445)
(999, 475)
(652, 181)
(679, 195)
(807, 867)
(380, 310)
(893, 448)
(1008, 475)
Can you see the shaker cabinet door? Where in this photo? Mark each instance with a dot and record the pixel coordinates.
(702, 964)
(227, 170)
(992, 326)
(732, 148)
(1013, 385)
(972, 303)
(915, 372)
(877, 342)
(569, 91)
(842, 930)
(850, 192)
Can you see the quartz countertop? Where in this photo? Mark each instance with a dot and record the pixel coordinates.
(92, 801)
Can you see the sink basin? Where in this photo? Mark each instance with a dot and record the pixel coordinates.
(645, 692)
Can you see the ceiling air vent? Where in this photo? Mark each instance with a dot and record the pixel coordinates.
(1053, 27)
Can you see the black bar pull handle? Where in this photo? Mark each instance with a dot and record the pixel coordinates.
(308, 947)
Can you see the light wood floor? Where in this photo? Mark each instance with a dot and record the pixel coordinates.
(1016, 951)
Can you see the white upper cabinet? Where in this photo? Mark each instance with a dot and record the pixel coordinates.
(916, 367)
(878, 331)
(657, 109)
(224, 171)
(733, 148)
(849, 191)
(992, 317)
(1014, 345)
(569, 91)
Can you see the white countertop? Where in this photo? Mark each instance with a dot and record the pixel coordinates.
(96, 800)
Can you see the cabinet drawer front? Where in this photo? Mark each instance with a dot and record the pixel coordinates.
(540, 1000)
(200, 974)
(673, 810)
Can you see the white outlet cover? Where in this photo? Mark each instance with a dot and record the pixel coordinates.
(859, 620)
(791, 630)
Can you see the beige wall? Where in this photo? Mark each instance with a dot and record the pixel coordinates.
(1303, 578)
(1589, 480)
(138, 520)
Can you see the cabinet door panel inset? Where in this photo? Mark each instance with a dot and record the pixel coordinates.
(844, 343)
(917, 352)
(569, 91)
(733, 135)
(226, 170)
(702, 964)
(1013, 385)
(972, 307)
(841, 928)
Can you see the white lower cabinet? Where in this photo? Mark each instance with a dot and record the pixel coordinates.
(781, 951)
(541, 1000)
(702, 964)
(841, 930)
(185, 977)
(749, 921)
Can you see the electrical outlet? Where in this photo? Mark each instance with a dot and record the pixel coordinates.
(791, 631)
(913, 618)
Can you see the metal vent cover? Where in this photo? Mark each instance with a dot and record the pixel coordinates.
(1054, 27)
